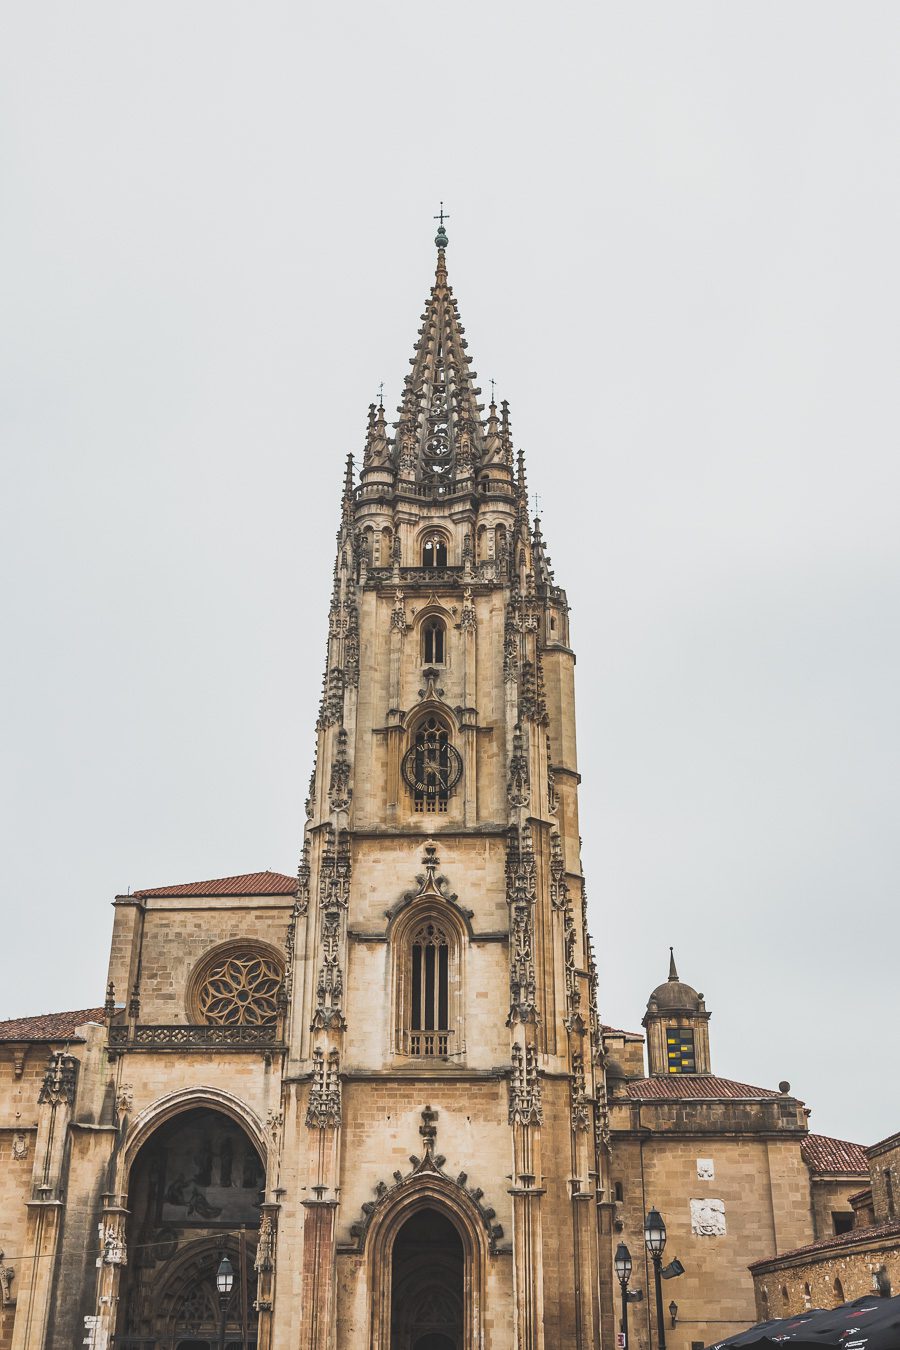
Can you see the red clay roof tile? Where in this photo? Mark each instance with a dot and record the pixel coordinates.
(823, 1154)
(58, 1026)
(855, 1237)
(695, 1087)
(250, 883)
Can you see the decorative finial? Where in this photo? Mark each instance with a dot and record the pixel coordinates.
(440, 238)
(493, 400)
(381, 394)
(537, 506)
(673, 973)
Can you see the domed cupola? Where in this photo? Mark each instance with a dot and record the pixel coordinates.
(677, 1025)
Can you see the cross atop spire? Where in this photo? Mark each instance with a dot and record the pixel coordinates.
(441, 217)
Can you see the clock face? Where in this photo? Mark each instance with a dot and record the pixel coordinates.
(432, 766)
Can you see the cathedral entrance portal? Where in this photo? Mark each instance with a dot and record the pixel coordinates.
(427, 1284)
(194, 1195)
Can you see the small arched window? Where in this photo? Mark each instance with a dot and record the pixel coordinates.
(434, 551)
(429, 1004)
(619, 1194)
(432, 767)
(387, 540)
(785, 1301)
(839, 1292)
(434, 635)
(764, 1303)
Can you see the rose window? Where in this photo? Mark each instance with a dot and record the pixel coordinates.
(240, 988)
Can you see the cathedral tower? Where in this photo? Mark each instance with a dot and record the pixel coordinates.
(444, 1119)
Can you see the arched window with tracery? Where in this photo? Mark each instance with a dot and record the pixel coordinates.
(428, 946)
(434, 551)
(429, 1003)
(434, 639)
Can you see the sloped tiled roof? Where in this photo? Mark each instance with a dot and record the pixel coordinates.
(883, 1145)
(856, 1237)
(58, 1026)
(823, 1154)
(616, 1031)
(250, 883)
(695, 1087)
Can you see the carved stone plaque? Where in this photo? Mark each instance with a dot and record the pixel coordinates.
(706, 1170)
(708, 1218)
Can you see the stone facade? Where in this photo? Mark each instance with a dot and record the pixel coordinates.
(836, 1269)
(732, 1168)
(396, 1052)
(380, 1086)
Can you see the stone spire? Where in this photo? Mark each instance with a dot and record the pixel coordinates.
(506, 433)
(543, 572)
(440, 437)
(494, 448)
(378, 447)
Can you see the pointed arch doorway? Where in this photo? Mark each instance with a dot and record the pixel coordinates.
(428, 1284)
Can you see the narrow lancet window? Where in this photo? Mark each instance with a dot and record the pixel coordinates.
(434, 552)
(433, 644)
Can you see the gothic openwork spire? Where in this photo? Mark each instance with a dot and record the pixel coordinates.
(440, 437)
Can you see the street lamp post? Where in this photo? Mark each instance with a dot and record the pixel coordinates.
(224, 1284)
(623, 1272)
(655, 1238)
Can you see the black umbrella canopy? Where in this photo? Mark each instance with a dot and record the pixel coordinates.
(868, 1323)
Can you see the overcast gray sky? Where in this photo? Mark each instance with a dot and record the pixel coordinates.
(674, 239)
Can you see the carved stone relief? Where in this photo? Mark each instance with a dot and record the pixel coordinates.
(521, 890)
(19, 1147)
(59, 1080)
(339, 789)
(517, 790)
(324, 1109)
(706, 1170)
(334, 893)
(708, 1218)
(525, 1097)
(580, 1107)
(112, 1241)
(7, 1275)
(467, 619)
(265, 1243)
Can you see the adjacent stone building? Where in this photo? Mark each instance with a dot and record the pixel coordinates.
(379, 1085)
(841, 1267)
(732, 1168)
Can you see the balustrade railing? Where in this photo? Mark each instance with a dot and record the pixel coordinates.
(208, 1036)
(429, 1044)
